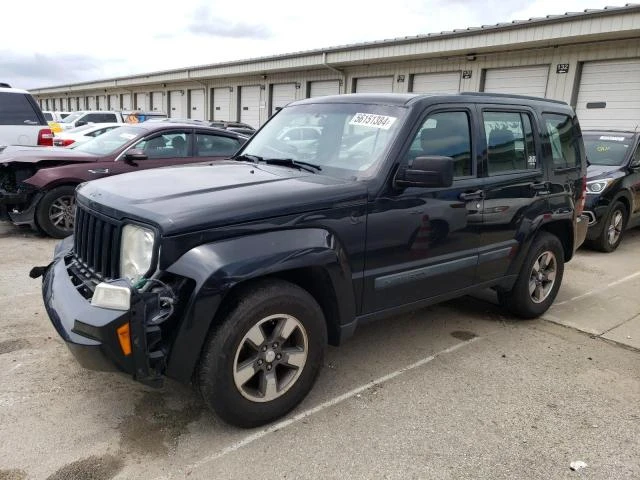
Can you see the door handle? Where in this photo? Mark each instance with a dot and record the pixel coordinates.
(98, 170)
(477, 195)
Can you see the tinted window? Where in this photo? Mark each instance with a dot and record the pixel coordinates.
(510, 143)
(563, 139)
(167, 145)
(446, 134)
(48, 116)
(215, 145)
(15, 109)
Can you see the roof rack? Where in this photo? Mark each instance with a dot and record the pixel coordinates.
(509, 95)
(4, 85)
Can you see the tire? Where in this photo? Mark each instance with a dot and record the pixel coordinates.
(537, 285)
(279, 368)
(55, 213)
(615, 223)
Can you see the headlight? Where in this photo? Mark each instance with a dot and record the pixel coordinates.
(598, 186)
(136, 252)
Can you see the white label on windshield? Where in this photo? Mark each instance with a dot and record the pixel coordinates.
(613, 139)
(128, 136)
(372, 120)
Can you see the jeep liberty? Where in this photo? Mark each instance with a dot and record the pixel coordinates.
(234, 275)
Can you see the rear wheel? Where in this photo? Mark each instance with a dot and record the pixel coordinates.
(55, 213)
(612, 232)
(264, 358)
(539, 279)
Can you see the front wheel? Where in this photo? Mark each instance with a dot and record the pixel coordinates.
(613, 229)
(55, 213)
(539, 279)
(265, 356)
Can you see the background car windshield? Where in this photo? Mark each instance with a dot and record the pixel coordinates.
(71, 118)
(111, 141)
(347, 140)
(611, 150)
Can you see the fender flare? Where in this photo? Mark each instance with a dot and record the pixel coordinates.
(218, 267)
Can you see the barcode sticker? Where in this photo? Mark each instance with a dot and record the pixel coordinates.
(372, 120)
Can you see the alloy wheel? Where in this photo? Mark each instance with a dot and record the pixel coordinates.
(62, 212)
(543, 277)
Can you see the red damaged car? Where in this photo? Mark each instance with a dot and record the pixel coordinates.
(37, 185)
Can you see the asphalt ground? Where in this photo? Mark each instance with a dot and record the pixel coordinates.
(459, 390)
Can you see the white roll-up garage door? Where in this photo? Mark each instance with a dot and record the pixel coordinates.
(448, 82)
(221, 104)
(91, 102)
(156, 102)
(196, 104)
(530, 81)
(281, 94)
(142, 101)
(324, 87)
(114, 103)
(126, 101)
(102, 102)
(374, 85)
(176, 107)
(250, 105)
(609, 95)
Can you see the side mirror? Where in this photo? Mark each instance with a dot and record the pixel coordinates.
(134, 154)
(80, 123)
(426, 172)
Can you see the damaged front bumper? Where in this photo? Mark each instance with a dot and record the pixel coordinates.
(91, 333)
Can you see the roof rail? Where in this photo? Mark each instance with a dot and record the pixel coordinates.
(509, 95)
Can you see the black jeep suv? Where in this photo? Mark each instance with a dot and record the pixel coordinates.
(236, 274)
(613, 186)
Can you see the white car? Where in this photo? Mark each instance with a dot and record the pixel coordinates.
(21, 120)
(85, 117)
(81, 134)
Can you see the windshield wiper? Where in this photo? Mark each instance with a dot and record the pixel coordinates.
(251, 158)
(290, 162)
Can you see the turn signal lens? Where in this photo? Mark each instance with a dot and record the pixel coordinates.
(124, 337)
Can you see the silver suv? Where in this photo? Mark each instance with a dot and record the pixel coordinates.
(21, 120)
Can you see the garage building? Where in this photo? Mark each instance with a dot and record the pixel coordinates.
(589, 59)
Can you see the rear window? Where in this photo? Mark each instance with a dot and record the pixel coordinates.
(15, 109)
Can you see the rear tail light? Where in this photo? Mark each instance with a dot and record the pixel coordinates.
(63, 142)
(45, 137)
(583, 196)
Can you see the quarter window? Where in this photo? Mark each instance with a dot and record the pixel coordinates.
(563, 137)
(15, 109)
(510, 145)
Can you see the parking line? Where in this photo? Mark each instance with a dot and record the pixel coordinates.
(598, 290)
(329, 403)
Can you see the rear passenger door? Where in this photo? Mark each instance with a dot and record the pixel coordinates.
(515, 191)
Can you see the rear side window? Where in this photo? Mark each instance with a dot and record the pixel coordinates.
(48, 116)
(510, 143)
(215, 145)
(563, 139)
(15, 109)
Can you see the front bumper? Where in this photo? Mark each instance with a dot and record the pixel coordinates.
(597, 208)
(90, 332)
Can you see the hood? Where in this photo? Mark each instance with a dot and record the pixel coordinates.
(195, 197)
(594, 172)
(39, 154)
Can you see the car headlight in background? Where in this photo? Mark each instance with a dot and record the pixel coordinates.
(136, 251)
(598, 186)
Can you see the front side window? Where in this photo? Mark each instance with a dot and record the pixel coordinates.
(15, 109)
(346, 140)
(445, 134)
(510, 145)
(563, 139)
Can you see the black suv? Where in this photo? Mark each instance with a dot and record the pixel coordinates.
(613, 186)
(235, 275)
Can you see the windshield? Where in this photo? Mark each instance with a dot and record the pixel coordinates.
(72, 118)
(109, 142)
(611, 149)
(346, 140)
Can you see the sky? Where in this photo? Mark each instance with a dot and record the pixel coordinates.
(56, 43)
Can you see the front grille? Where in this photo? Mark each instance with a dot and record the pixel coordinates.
(97, 243)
